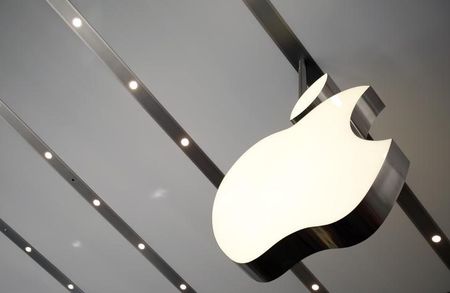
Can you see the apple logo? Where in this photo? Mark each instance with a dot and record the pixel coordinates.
(311, 187)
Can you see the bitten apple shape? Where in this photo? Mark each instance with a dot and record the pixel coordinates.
(313, 186)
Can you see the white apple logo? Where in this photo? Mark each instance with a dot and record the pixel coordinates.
(313, 186)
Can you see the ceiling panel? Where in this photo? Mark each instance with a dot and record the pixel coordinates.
(215, 69)
(76, 105)
(208, 62)
(50, 215)
(19, 273)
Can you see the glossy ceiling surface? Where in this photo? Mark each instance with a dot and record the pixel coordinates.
(223, 79)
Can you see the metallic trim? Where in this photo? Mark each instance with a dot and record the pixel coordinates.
(142, 94)
(308, 109)
(293, 49)
(302, 85)
(89, 195)
(38, 257)
(354, 228)
(364, 114)
(366, 111)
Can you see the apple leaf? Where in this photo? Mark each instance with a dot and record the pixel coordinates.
(309, 96)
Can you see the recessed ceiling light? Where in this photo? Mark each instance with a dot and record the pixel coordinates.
(436, 238)
(77, 22)
(133, 85)
(184, 142)
(183, 287)
(141, 246)
(96, 202)
(315, 287)
(48, 155)
(28, 249)
(70, 286)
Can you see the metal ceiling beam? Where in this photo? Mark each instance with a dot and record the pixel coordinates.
(38, 258)
(308, 278)
(280, 32)
(283, 37)
(90, 196)
(147, 100)
(142, 94)
(426, 225)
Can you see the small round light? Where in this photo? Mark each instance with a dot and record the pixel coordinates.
(436, 238)
(141, 246)
(28, 249)
(183, 287)
(96, 202)
(70, 286)
(315, 287)
(184, 142)
(77, 22)
(48, 155)
(133, 85)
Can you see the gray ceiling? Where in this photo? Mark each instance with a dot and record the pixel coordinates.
(214, 68)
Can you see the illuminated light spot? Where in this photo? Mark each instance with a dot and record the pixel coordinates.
(184, 142)
(76, 22)
(133, 85)
(436, 238)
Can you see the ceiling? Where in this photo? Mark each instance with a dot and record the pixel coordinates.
(214, 68)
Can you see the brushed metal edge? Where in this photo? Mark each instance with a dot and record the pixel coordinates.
(357, 226)
(354, 228)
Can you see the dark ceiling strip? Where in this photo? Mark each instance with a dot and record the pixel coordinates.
(289, 44)
(39, 258)
(142, 94)
(284, 37)
(89, 195)
(416, 212)
(308, 278)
